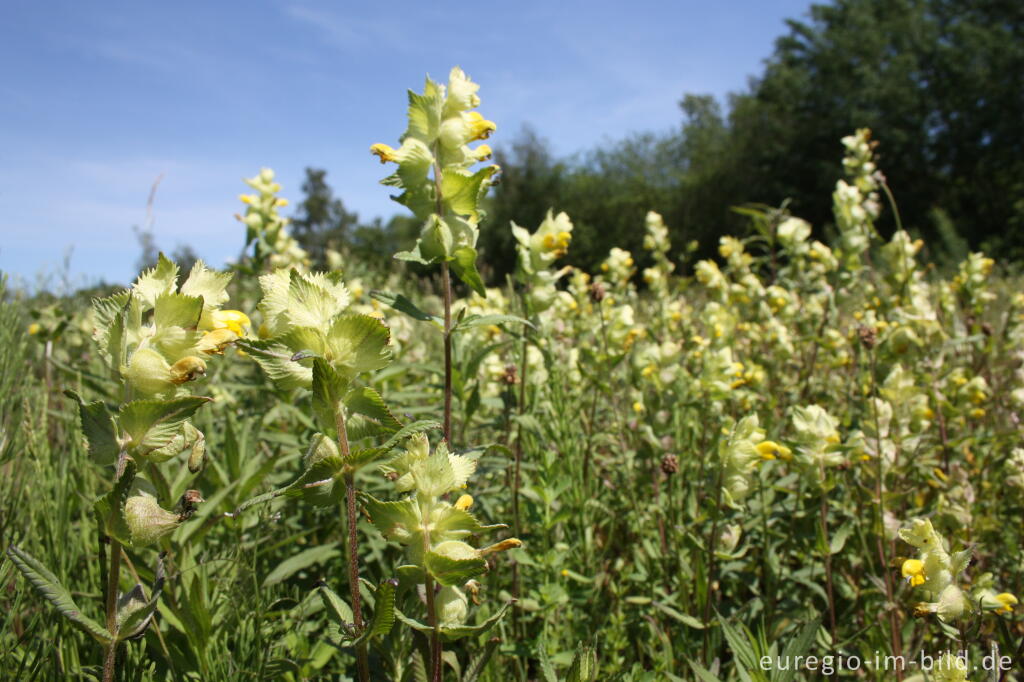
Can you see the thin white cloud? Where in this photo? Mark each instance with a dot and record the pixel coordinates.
(350, 32)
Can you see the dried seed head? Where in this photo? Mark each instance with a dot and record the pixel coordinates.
(510, 376)
(669, 464)
(597, 292)
(868, 336)
(186, 506)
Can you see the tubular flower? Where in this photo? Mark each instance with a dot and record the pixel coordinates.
(913, 571)
(214, 342)
(480, 128)
(771, 450)
(384, 152)
(1007, 600)
(235, 320)
(187, 369)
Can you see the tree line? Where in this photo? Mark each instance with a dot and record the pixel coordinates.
(939, 82)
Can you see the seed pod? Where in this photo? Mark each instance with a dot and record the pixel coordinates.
(147, 520)
(197, 457)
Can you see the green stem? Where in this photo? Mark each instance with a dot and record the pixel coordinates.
(113, 580)
(894, 633)
(428, 588)
(113, 583)
(712, 541)
(352, 545)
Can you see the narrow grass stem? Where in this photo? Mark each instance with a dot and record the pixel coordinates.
(894, 632)
(827, 556)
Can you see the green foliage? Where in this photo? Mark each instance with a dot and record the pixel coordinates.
(715, 468)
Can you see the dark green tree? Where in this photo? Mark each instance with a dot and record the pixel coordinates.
(321, 221)
(941, 85)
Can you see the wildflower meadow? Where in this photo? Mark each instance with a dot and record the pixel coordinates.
(800, 459)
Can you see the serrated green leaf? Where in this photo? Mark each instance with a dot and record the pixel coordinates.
(98, 427)
(453, 632)
(584, 665)
(424, 113)
(453, 562)
(207, 284)
(360, 457)
(47, 585)
(358, 343)
(383, 611)
(328, 392)
(368, 402)
(177, 310)
(471, 321)
(275, 359)
(409, 430)
(111, 313)
(403, 305)
(159, 280)
(464, 265)
(109, 509)
(317, 484)
(413, 623)
(456, 523)
(132, 624)
(396, 520)
(546, 668)
(314, 301)
(337, 608)
(152, 424)
(462, 191)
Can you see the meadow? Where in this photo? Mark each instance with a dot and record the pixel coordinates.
(797, 460)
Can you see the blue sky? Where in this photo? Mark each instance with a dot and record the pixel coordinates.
(99, 99)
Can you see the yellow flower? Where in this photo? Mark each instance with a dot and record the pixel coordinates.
(504, 545)
(771, 450)
(464, 502)
(480, 128)
(281, 202)
(913, 571)
(638, 407)
(1007, 600)
(483, 152)
(34, 328)
(565, 572)
(214, 342)
(235, 320)
(385, 152)
(187, 369)
(977, 413)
